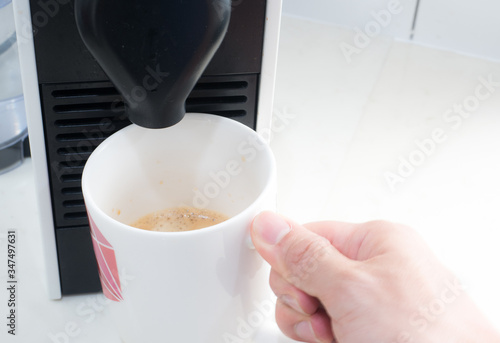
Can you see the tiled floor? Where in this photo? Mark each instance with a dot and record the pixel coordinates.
(355, 122)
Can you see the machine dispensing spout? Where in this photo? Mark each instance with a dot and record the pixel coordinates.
(153, 51)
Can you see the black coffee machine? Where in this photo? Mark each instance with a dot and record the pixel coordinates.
(72, 107)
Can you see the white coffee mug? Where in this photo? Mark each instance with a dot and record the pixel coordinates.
(205, 285)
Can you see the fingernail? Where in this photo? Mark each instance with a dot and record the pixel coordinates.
(270, 227)
(305, 331)
(291, 302)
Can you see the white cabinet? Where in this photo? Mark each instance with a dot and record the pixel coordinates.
(356, 13)
(467, 26)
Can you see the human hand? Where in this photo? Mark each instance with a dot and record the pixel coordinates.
(357, 283)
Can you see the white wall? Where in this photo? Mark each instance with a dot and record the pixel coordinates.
(465, 26)
(354, 13)
(468, 26)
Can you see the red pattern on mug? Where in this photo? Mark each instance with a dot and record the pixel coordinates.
(106, 261)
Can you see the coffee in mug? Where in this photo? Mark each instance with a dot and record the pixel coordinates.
(179, 219)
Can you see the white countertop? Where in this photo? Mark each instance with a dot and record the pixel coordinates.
(343, 127)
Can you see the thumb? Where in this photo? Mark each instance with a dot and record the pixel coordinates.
(303, 258)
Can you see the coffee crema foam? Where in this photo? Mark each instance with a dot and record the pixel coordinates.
(179, 219)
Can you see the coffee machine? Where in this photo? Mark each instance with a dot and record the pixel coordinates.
(72, 106)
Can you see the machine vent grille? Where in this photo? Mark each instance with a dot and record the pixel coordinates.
(78, 117)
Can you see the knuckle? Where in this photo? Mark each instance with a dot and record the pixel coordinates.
(303, 257)
(353, 279)
(283, 320)
(274, 283)
(385, 232)
(387, 227)
(351, 283)
(381, 225)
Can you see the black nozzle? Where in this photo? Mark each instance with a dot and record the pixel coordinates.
(153, 51)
